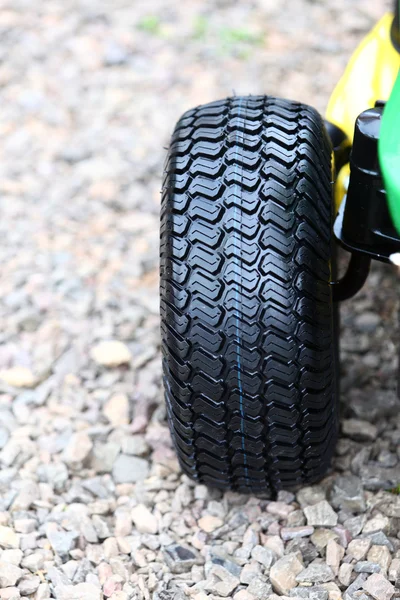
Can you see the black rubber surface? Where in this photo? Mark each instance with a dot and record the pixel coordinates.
(246, 306)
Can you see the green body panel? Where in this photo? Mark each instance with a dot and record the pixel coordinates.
(389, 152)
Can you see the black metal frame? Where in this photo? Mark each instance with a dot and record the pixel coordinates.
(363, 225)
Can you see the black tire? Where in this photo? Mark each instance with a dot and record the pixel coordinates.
(246, 305)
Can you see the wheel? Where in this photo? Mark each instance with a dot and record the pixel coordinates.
(246, 306)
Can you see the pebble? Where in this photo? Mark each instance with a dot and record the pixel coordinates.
(250, 571)
(19, 377)
(315, 573)
(264, 556)
(284, 572)
(243, 595)
(366, 566)
(4, 437)
(116, 410)
(8, 538)
(61, 541)
(13, 557)
(28, 585)
(348, 494)
(129, 469)
(9, 574)
(310, 593)
(81, 591)
(25, 525)
(221, 582)
(310, 495)
(179, 558)
(208, 523)
(43, 592)
(321, 537)
(275, 543)
(291, 533)
(104, 456)
(259, 588)
(361, 431)
(321, 514)
(10, 593)
(380, 539)
(377, 523)
(356, 585)
(34, 562)
(134, 444)
(345, 573)
(381, 556)
(379, 587)
(367, 321)
(143, 520)
(359, 548)
(355, 524)
(334, 555)
(77, 449)
(394, 570)
(220, 558)
(111, 353)
(280, 509)
(296, 519)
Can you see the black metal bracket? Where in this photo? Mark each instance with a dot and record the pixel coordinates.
(354, 279)
(363, 225)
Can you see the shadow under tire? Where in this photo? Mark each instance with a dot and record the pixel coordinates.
(247, 317)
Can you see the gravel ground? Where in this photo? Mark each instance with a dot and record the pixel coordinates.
(92, 501)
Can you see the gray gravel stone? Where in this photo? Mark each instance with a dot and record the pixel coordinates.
(259, 588)
(103, 457)
(375, 477)
(180, 558)
(28, 585)
(311, 495)
(4, 436)
(310, 593)
(345, 574)
(77, 449)
(291, 533)
(380, 539)
(61, 541)
(306, 549)
(9, 574)
(43, 592)
(82, 591)
(315, 573)
(394, 570)
(361, 431)
(284, 572)
(134, 445)
(265, 556)
(366, 566)
(221, 582)
(357, 584)
(219, 558)
(348, 493)
(321, 515)
(34, 562)
(379, 587)
(355, 524)
(129, 469)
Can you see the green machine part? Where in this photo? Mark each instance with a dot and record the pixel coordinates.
(389, 152)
